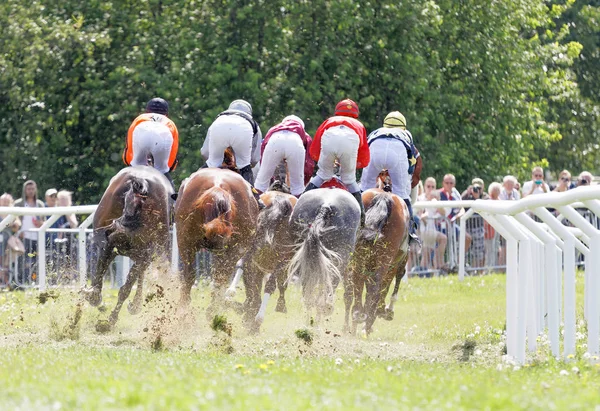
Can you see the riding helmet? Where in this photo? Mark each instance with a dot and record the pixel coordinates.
(158, 105)
(395, 119)
(294, 118)
(241, 105)
(347, 108)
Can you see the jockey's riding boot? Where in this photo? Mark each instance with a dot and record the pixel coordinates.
(309, 187)
(358, 197)
(205, 165)
(168, 175)
(412, 226)
(256, 195)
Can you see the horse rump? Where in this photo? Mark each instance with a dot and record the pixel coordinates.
(272, 216)
(315, 265)
(219, 212)
(377, 216)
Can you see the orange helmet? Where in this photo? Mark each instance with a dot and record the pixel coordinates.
(347, 108)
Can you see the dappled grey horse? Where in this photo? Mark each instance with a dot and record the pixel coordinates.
(324, 225)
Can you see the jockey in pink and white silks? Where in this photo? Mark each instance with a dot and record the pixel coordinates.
(392, 149)
(286, 141)
(234, 128)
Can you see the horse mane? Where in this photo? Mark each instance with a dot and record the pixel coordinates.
(377, 216)
(219, 212)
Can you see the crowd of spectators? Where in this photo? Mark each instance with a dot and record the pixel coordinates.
(18, 241)
(439, 228)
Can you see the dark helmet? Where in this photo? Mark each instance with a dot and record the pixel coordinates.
(158, 105)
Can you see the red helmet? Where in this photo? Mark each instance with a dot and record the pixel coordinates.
(347, 108)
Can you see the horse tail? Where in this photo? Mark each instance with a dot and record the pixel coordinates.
(280, 209)
(219, 212)
(135, 197)
(377, 216)
(316, 265)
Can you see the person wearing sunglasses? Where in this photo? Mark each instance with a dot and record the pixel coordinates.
(564, 181)
(537, 185)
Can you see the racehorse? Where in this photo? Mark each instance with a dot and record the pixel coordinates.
(215, 210)
(268, 255)
(324, 224)
(380, 256)
(132, 220)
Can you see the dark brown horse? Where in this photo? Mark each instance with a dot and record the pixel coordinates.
(132, 220)
(268, 255)
(380, 256)
(216, 211)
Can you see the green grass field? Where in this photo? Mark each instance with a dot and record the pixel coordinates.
(442, 351)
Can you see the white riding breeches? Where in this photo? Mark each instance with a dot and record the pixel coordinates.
(230, 131)
(390, 154)
(339, 142)
(283, 145)
(150, 137)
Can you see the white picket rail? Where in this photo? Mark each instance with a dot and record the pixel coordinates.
(537, 295)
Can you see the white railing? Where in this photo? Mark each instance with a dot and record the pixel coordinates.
(537, 253)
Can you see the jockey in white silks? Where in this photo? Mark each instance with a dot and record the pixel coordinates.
(392, 149)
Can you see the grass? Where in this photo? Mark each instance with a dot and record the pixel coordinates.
(443, 350)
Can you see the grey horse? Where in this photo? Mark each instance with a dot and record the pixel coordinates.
(324, 225)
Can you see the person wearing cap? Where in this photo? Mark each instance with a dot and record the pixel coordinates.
(153, 134)
(392, 149)
(234, 128)
(344, 138)
(287, 141)
(50, 197)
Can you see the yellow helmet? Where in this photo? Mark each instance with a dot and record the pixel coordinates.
(395, 119)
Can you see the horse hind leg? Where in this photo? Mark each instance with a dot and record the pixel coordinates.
(105, 256)
(280, 278)
(124, 292)
(135, 306)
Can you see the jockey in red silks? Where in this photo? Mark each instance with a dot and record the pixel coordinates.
(344, 138)
(153, 133)
(290, 142)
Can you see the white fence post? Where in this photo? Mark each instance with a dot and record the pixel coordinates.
(41, 251)
(462, 242)
(82, 241)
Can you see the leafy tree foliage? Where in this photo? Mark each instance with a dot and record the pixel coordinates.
(488, 88)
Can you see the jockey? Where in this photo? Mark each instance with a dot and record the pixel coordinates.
(344, 138)
(153, 133)
(286, 141)
(234, 128)
(392, 149)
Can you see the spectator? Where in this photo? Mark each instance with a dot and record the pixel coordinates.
(493, 247)
(29, 199)
(564, 181)
(585, 179)
(65, 200)
(9, 243)
(475, 223)
(537, 185)
(429, 188)
(434, 242)
(448, 192)
(509, 189)
(51, 197)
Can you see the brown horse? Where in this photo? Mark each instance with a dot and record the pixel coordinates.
(380, 256)
(269, 255)
(215, 210)
(132, 220)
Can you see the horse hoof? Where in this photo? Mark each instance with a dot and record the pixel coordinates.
(281, 307)
(103, 326)
(134, 308)
(359, 317)
(94, 298)
(388, 315)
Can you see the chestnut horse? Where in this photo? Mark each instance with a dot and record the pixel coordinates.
(380, 256)
(215, 210)
(324, 224)
(132, 220)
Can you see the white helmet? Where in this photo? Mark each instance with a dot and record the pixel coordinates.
(241, 105)
(295, 118)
